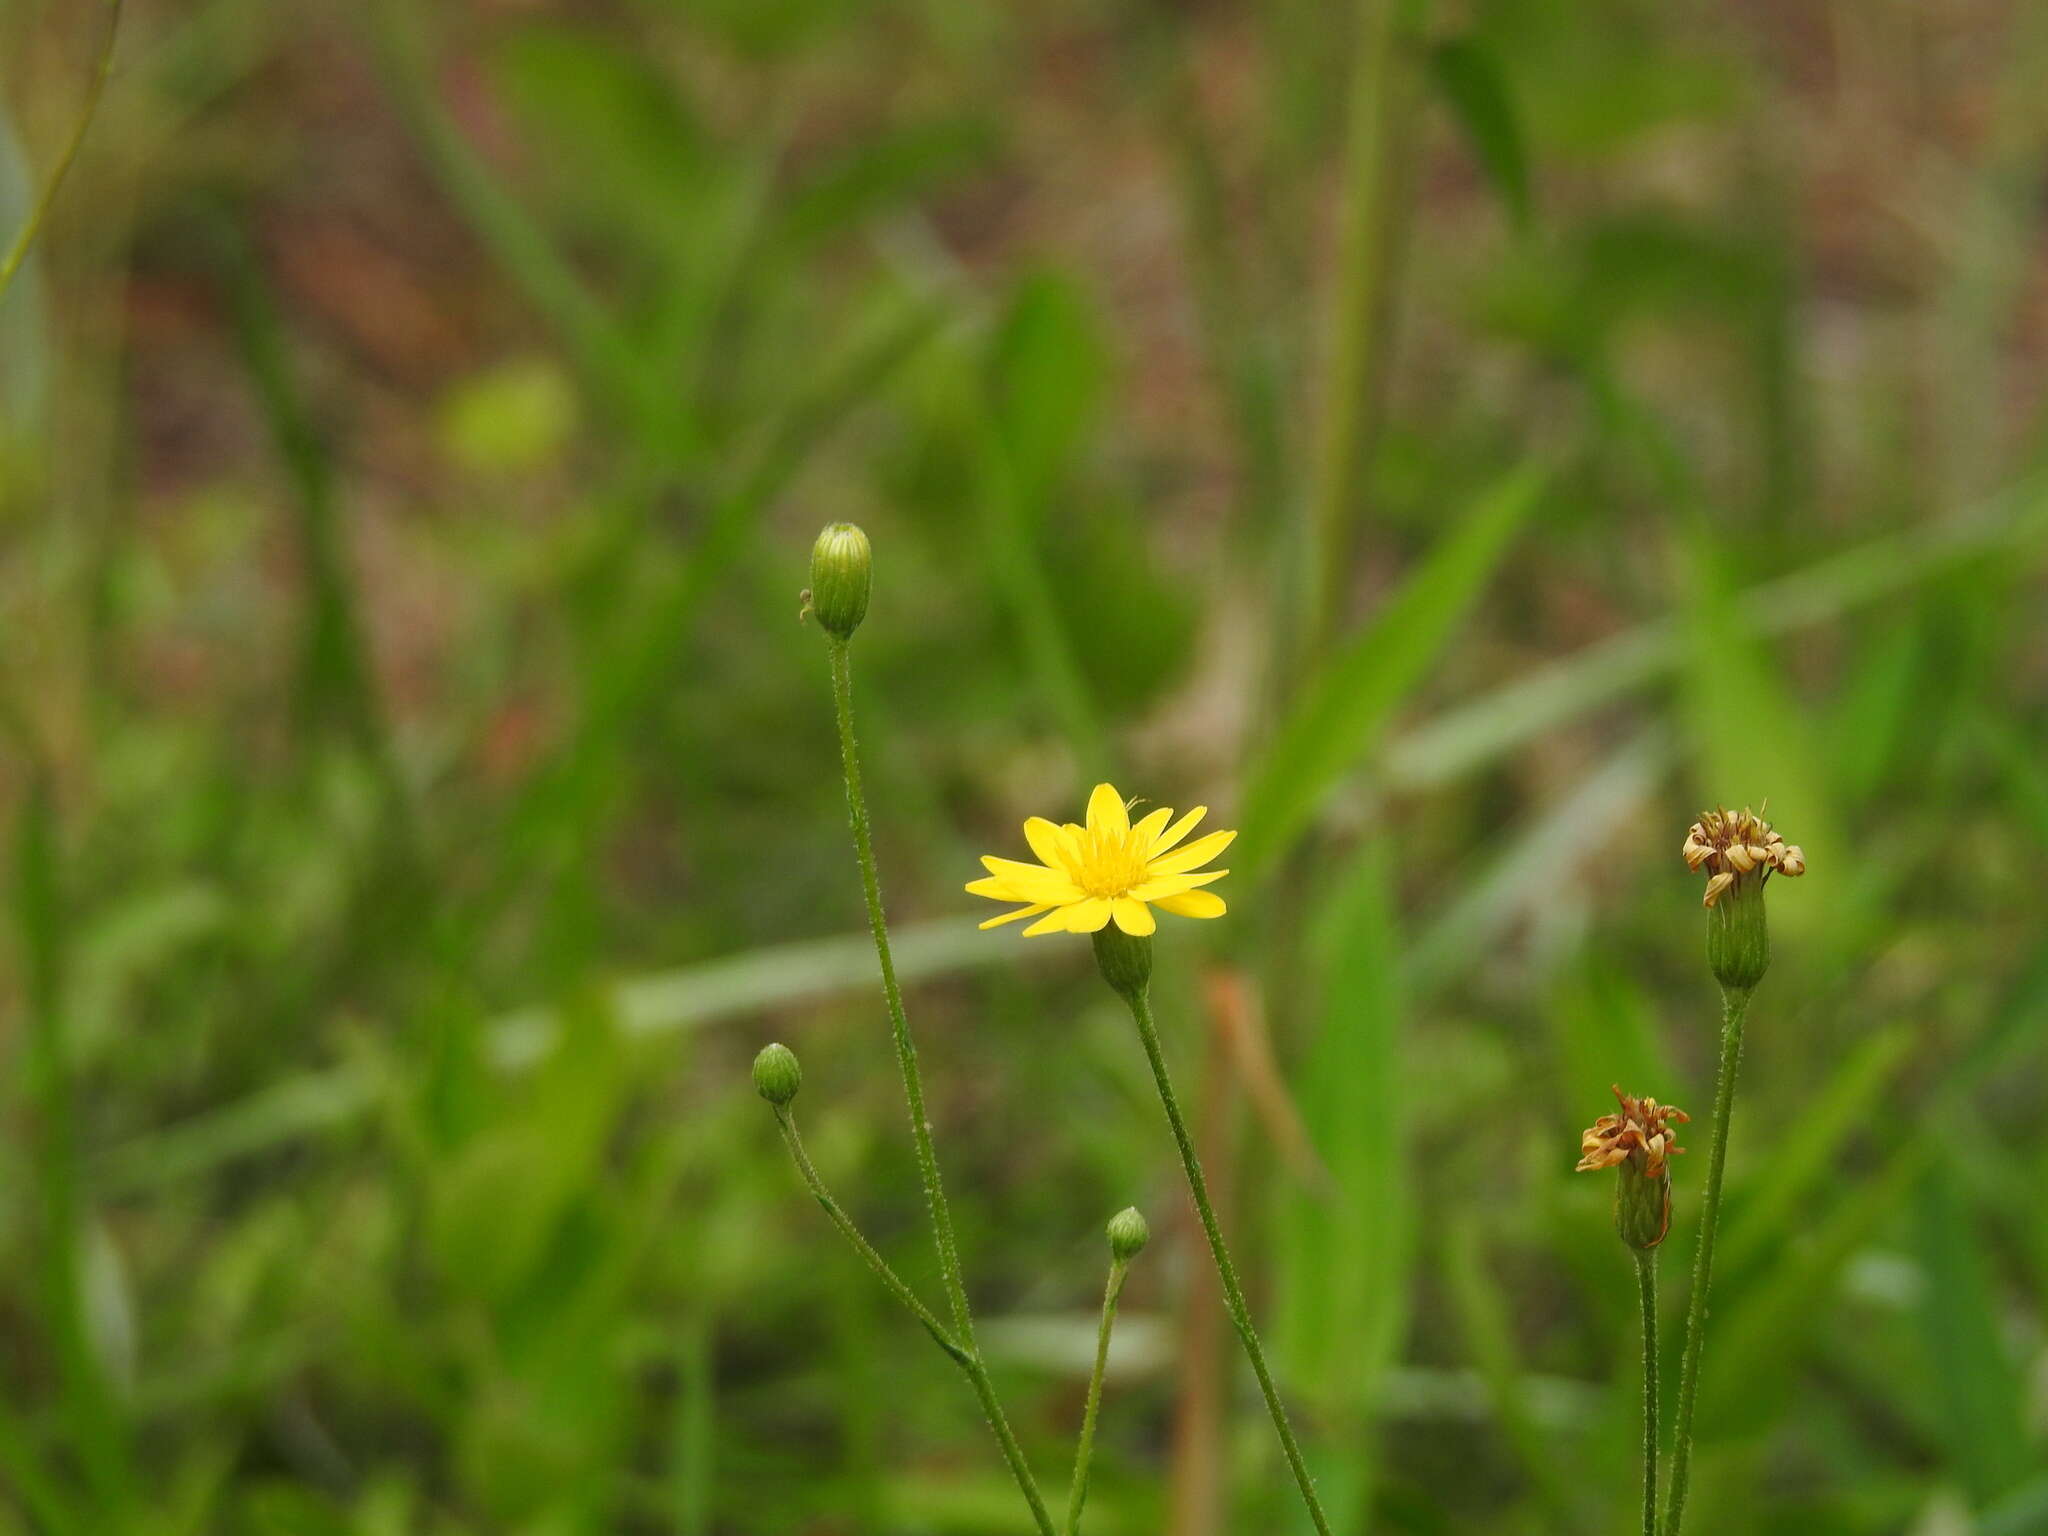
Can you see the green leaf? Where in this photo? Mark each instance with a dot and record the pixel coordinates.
(1341, 715)
(1981, 1413)
(1345, 1269)
(1470, 80)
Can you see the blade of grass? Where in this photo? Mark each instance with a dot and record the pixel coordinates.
(1341, 714)
(779, 976)
(1472, 735)
(1345, 1269)
(17, 252)
(1982, 1414)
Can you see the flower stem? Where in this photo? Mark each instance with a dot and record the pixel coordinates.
(1077, 1495)
(906, 1051)
(1646, 1285)
(11, 262)
(967, 1359)
(1734, 1005)
(1233, 1293)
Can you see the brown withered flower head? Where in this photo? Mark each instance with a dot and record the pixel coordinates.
(1731, 844)
(1641, 1135)
(1638, 1144)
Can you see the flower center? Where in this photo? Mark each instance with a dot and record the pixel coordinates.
(1109, 866)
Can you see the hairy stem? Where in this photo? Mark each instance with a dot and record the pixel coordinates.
(1233, 1293)
(967, 1359)
(1646, 1287)
(1734, 1005)
(906, 1051)
(1084, 1454)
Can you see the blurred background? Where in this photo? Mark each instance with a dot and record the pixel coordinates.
(1454, 441)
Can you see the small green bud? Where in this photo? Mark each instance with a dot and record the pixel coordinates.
(1642, 1205)
(1738, 935)
(842, 571)
(1125, 960)
(777, 1075)
(1128, 1234)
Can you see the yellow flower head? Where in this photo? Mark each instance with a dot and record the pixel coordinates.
(1109, 869)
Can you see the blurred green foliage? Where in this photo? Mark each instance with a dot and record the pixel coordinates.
(422, 799)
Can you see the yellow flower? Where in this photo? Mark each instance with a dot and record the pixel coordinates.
(1107, 870)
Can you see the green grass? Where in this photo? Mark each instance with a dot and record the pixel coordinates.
(422, 799)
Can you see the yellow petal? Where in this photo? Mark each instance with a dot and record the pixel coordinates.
(1192, 904)
(1134, 917)
(1200, 851)
(1147, 831)
(1179, 829)
(992, 887)
(1172, 885)
(1054, 921)
(1044, 838)
(1032, 882)
(1086, 916)
(1107, 818)
(1011, 917)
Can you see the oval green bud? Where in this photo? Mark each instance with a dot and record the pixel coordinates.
(1738, 937)
(1124, 959)
(776, 1074)
(842, 572)
(1128, 1234)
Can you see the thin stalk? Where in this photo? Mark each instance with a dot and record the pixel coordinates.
(18, 251)
(1233, 1293)
(968, 1359)
(906, 1051)
(1646, 1287)
(1360, 311)
(1734, 1005)
(1084, 1454)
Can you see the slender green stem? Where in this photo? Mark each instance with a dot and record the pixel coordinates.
(1233, 1293)
(1734, 1005)
(1084, 1454)
(898, 1287)
(18, 251)
(967, 1359)
(906, 1051)
(1646, 1287)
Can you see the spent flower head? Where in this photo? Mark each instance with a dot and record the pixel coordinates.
(1640, 1142)
(1111, 870)
(1732, 846)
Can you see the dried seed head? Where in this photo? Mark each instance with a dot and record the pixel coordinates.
(1729, 844)
(1639, 1144)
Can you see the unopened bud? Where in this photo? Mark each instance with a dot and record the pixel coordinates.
(842, 572)
(777, 1075)
(1128, 1234)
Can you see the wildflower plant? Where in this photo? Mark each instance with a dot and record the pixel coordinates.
(1739, 852)
(1103, 879)
(1638, 1144)
(842, 574)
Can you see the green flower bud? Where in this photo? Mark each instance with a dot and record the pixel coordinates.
(1125, 960)
(842, 571)
(777, 1075)
(1642, 1205)
(1128, 1234)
